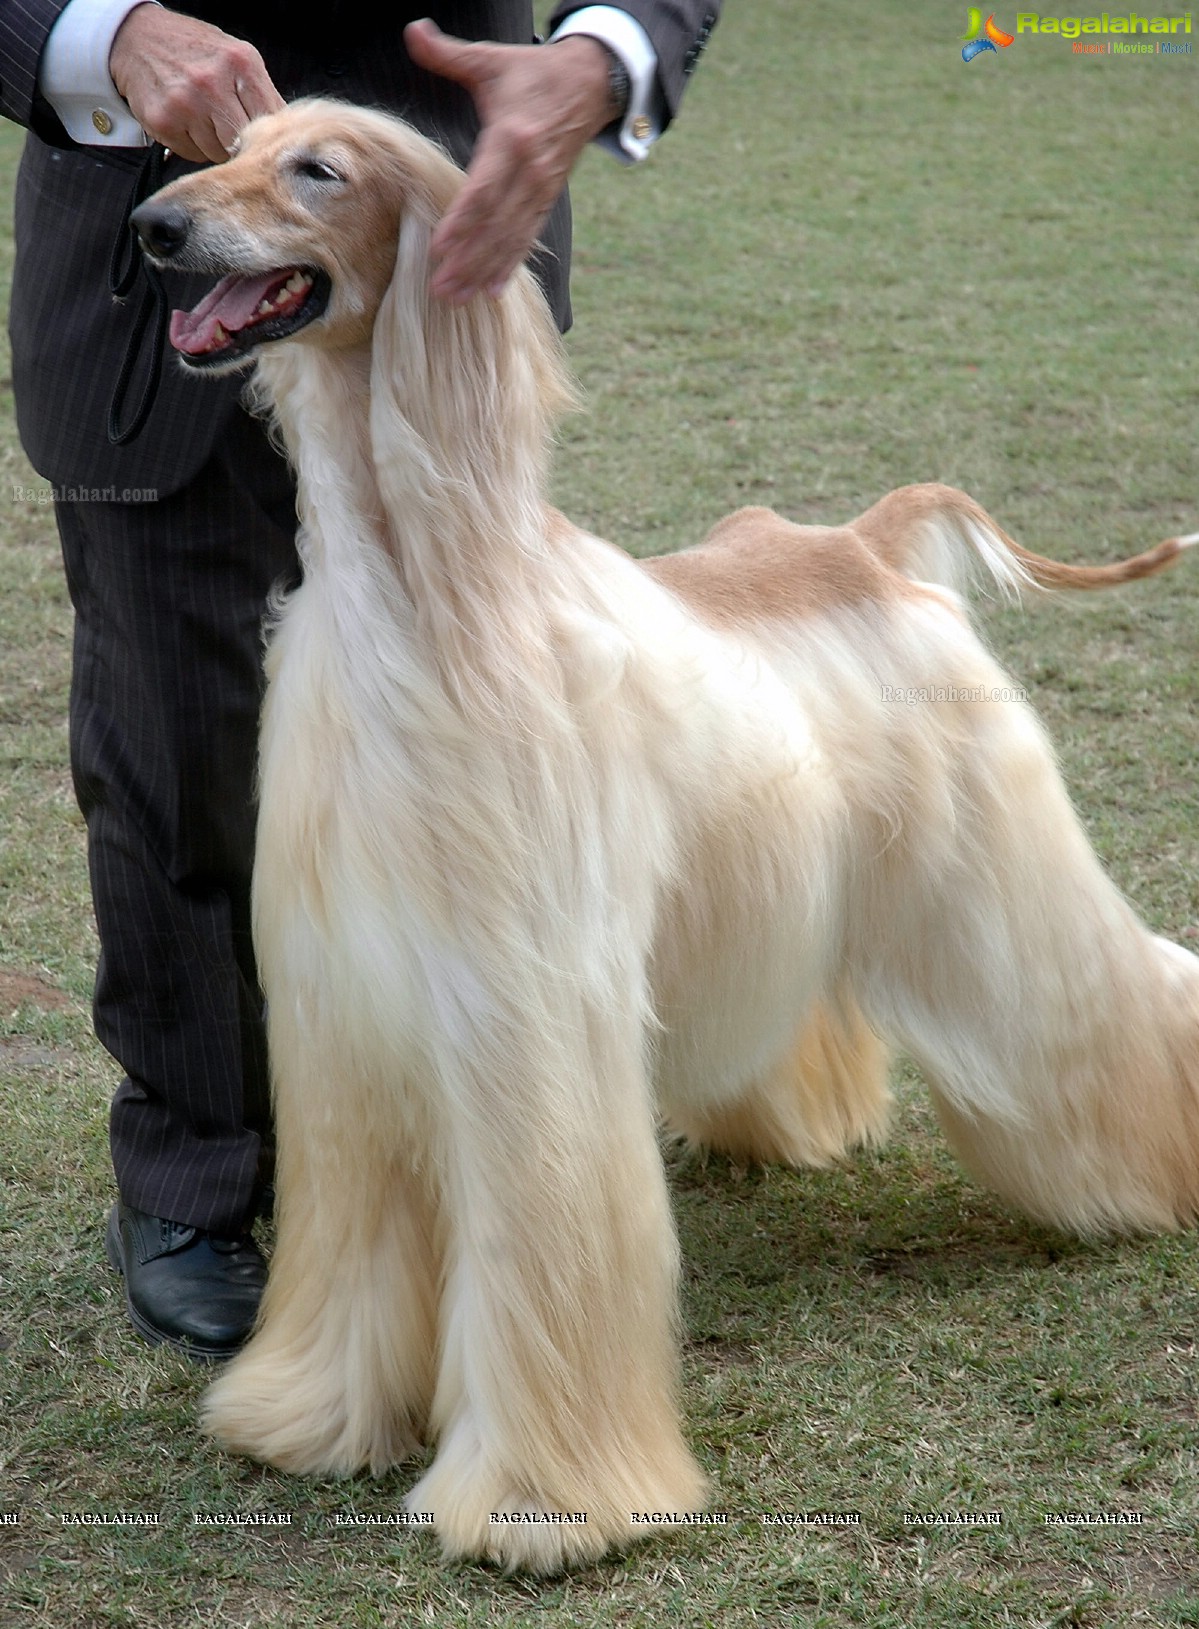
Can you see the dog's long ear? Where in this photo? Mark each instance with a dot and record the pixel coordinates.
(462, 402)
(471, 390)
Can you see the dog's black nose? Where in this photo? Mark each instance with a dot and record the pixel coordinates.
(161, 228)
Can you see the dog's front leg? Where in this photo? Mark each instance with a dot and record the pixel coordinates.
(339, 1374)
(555, 1406)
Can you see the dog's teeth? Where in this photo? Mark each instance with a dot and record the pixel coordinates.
(263, 307)
(219, 336)
(297, 282)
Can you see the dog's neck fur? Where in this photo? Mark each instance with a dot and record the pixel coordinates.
(428, 450)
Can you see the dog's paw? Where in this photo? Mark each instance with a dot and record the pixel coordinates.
(301, 1421)
(484, 1517)
(518, 1534)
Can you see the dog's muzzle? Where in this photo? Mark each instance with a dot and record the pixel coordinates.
(244, 310)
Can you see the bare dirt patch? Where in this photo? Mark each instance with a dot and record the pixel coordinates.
(17, 989)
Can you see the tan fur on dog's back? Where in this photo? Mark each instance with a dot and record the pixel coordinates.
(754, 565)
(554, 844)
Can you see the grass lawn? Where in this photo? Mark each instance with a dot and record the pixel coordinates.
(857, 262)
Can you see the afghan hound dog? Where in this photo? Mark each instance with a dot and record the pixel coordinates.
(558, 847)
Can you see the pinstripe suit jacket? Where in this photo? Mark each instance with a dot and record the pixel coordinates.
(69, 337)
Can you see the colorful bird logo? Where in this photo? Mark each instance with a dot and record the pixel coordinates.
(991, 35)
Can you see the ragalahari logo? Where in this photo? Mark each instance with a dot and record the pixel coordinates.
(983, 36)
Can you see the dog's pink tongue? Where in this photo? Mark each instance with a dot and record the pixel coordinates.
(232, 303)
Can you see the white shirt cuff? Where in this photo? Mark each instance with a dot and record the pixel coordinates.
(643, 122)
(73, 75)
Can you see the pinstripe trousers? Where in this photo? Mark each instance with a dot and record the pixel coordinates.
(169, 600)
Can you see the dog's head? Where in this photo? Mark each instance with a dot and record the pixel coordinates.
(301, 227)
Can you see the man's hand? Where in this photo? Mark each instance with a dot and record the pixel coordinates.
(539, 106)
(189, 85)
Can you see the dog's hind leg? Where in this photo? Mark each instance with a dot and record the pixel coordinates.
(339, 1374)
(1059, 1036)
(555, 1409)
(828, 1095)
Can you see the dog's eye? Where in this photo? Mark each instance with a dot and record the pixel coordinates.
(313, 169)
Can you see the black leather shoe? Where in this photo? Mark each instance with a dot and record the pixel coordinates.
(184, 1287)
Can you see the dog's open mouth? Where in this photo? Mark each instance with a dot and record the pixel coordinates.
(244, 311)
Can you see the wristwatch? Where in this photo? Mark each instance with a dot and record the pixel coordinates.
(619, 88)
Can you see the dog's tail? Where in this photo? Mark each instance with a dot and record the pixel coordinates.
(937, 534)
